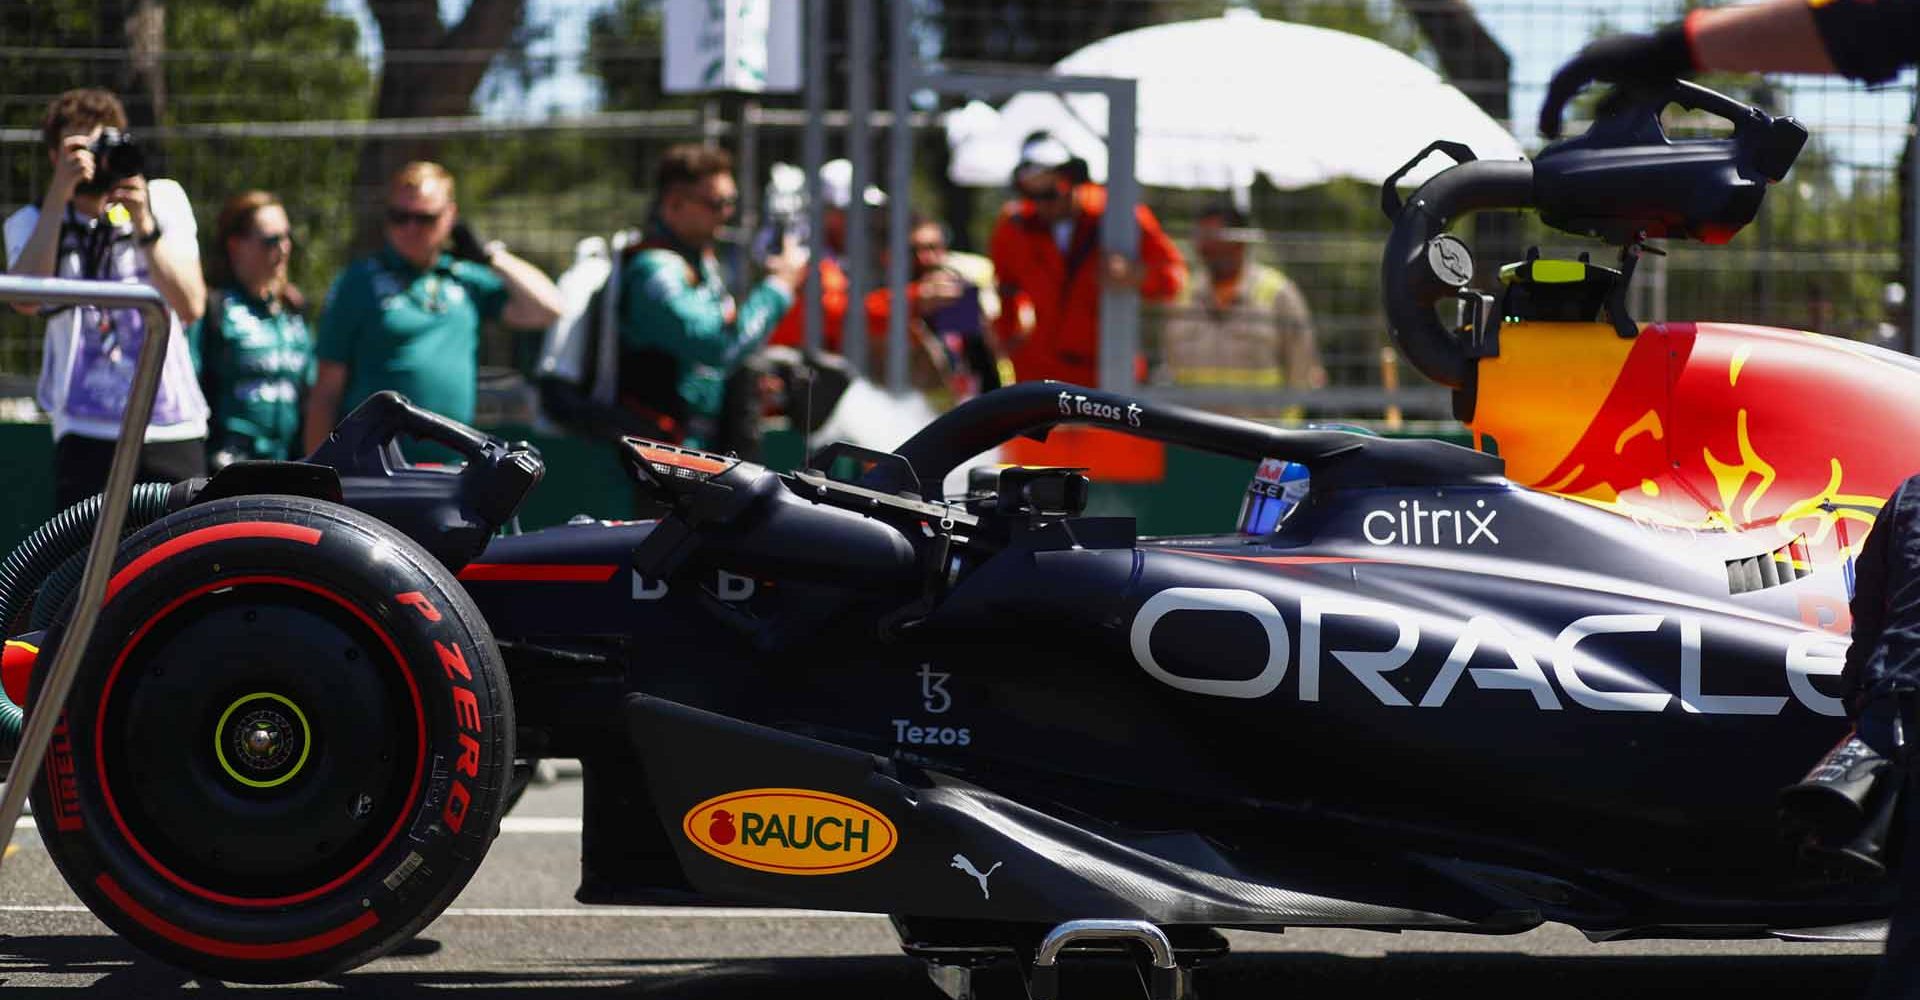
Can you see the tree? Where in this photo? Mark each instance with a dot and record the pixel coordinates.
(428, 68)
(1474, 61)
(225, 61)
(626, 48)
(269, 61)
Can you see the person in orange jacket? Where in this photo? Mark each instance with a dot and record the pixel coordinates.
(1047, 256)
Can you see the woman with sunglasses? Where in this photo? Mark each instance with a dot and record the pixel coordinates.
(252, 348)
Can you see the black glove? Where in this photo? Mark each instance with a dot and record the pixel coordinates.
(1886, 719)
(467, 245)
(1645, 60)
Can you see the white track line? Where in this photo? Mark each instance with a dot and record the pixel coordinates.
(635, 912)
(659, 913)
(540, 824)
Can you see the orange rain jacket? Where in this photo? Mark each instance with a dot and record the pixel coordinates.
(1062, 291)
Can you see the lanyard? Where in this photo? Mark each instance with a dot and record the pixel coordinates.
(91, 242)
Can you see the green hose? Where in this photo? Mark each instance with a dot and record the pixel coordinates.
(50, 545)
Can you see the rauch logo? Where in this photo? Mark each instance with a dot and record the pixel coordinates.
(791, 831)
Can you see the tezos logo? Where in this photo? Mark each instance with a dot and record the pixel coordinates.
(1414, 524)
(1074, 404)
(791, 831)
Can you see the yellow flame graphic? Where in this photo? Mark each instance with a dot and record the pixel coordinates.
(1649, 423)
(1843, 506)
(1730, 477)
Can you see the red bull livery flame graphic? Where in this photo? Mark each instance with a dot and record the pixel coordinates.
(1712, 427)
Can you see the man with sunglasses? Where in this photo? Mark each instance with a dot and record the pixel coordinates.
(681, 333)
(408, 318)
(1046, 252)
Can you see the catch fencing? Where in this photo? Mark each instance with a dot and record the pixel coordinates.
(569, 121)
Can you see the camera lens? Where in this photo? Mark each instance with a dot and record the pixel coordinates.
(126, 159)
(116, 157)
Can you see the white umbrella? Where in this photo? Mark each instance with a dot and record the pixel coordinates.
(1224, 98)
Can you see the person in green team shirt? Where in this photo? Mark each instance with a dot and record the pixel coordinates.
(681, 333)
(408, 317)
(252, 348)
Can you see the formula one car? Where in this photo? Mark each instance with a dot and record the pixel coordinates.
(1452, 689)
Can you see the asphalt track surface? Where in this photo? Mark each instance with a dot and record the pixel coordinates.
(517, 932)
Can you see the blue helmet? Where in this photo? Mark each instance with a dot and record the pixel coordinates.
(1279, 486)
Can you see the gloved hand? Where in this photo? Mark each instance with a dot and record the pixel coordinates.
(467, 245)
(1627, 60)
(1886, 719)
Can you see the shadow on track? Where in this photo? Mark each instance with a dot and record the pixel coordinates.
(122, 971)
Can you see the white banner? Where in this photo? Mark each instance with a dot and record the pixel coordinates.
(751, 46)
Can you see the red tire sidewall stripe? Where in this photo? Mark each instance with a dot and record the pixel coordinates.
(194, 539)
(229, 949)
(99, 739)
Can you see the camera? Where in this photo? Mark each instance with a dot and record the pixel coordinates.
(786, 210)
(116, 157)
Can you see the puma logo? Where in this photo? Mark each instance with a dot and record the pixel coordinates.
(960, 861)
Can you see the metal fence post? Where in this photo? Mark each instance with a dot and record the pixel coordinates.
(814, 152)
(853, 339)
(748, 157)
(904, 64)
(1120, 234)
(106, 529)
(1913, 227)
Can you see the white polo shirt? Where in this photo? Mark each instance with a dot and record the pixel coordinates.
(86, 371)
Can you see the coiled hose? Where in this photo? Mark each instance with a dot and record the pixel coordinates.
(63, 536)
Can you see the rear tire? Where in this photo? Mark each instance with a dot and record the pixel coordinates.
(287, 747)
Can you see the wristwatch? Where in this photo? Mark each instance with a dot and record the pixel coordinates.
(148, 238)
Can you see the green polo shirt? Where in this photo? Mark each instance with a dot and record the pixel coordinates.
(667, 307)
(418, 332)
(255, 360)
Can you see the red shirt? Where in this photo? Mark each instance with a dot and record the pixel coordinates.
(833, 307)
(1063, 289)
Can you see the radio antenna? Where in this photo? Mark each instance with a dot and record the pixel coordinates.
(806, 416)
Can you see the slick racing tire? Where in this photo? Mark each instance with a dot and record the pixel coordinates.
(287, 746)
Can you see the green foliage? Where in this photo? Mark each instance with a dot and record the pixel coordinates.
(265, 61)
(227, 60)
(625, 46)
(1816, 258)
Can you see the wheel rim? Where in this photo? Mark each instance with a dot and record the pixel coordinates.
(317, 741)
(262, 740)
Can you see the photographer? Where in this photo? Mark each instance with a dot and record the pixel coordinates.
(102, 219)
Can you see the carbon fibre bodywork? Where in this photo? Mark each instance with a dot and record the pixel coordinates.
(1438, 704)
(1562, 676)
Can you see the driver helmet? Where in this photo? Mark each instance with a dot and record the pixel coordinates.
(1279, 487)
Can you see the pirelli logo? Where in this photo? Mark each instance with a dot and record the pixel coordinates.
(61, 786)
